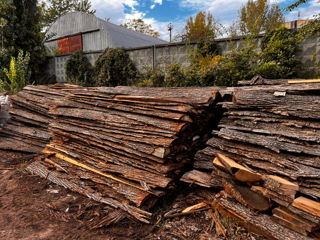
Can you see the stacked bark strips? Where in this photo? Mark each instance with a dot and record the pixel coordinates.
(267, 159)
(126, 145)
(27, 130)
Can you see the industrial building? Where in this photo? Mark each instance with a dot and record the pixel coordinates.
(81, 31)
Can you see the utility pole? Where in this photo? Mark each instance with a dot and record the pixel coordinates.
(170, 27)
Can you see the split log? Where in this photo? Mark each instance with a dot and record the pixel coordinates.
(244, 195)
(280, 185)
(293, 221)
(274, 196)
(261, 224)
(292, 166)
(307, 205)
(238, 171)
(202, 179)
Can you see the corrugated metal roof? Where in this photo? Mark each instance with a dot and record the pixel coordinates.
(76, 22)
(123, 37)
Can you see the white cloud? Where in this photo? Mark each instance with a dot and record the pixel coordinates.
(226, 11)
(155, 2)
(115, 9)
(305, 12)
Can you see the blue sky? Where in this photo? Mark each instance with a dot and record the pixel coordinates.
(159, 13)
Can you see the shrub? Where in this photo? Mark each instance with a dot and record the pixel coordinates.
(114, 67)
(278, 54)
(174, 76)
(18, 74)
(79, 70)
(238, 64)
(151, 78)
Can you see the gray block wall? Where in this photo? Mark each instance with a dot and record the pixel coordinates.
(159, 56)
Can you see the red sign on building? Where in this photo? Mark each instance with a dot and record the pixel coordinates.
(70, 44)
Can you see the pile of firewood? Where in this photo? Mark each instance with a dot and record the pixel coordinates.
(126, 145)
(266, 156)
(27, 129)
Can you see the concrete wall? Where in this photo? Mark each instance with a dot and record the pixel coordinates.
(310, 50)
(160, 55)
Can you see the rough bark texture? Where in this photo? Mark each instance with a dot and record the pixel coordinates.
(273, 131)
(130, 143)
(261, 224)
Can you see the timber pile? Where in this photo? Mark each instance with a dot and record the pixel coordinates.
(27, 130)
(128, 145)
(267, 156)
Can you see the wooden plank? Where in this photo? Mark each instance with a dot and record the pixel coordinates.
(304, 81)
(73, 161)
(307, 205)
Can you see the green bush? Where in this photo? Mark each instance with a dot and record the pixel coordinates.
(79, 70)
(174, 76)
(18, 74)
(238, 64)
(150, 78)
(278, 54)
(114, 67)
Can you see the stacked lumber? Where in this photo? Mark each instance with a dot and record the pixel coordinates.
(4, 107)
(131, 144)
(266, 150)
(27, 130)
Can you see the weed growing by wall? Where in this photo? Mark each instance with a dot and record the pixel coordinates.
(18, 74)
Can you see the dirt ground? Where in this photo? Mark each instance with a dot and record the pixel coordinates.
(33, 208)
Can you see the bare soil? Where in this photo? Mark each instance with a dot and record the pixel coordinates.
(33, 208)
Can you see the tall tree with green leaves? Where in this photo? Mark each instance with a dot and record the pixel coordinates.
(53, 9)
(22, 31)
(202, 27)
(139, 25)
(258, 16)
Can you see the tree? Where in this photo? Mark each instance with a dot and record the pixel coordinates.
(53, 9)
(22, 31)
(139, 25)
(274, 19)
(204, 26)
(258, 16)
(296, 4)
